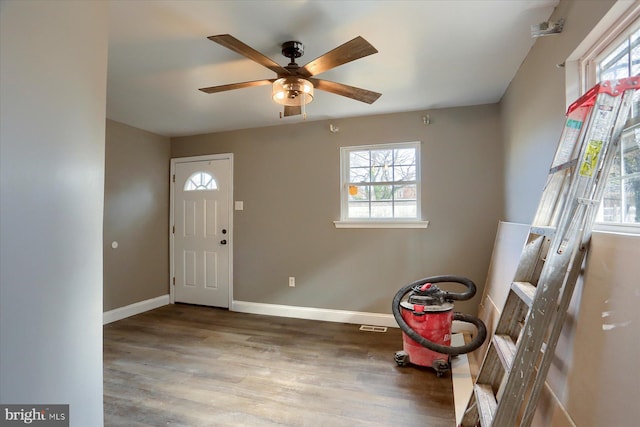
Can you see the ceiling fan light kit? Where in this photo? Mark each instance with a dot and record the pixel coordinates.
(294, 86)
(292, 91)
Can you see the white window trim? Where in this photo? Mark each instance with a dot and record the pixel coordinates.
(580, 71)
(372, 223)
(576, 66)
(613, 34)
(346, 222)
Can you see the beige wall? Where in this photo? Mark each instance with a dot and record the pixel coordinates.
(136, 215)
(534, 105)
(53, 79)
(288, 178)
(596, 374)
(593, 380)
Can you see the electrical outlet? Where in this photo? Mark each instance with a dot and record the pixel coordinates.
(292, 282)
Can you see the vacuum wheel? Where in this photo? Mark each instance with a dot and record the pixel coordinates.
(401, 358)
(441, 367)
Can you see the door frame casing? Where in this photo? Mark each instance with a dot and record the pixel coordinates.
(224, 156)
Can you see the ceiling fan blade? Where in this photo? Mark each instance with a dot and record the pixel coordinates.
(292, 110)
(223, 88)
(352, 92)
(237, 46)
(350, 51)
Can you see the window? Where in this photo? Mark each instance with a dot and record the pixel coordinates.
(200, 181)
(621, 200)
(381, 185)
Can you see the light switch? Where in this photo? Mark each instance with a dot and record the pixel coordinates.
(239, 205)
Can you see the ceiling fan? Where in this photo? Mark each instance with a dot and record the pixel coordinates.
(294, 85)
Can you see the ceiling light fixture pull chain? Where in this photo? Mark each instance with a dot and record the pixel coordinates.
(304, 106)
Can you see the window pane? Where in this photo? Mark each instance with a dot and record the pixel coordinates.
(618, 70)
(381, 158)
(358, 193)
(358, 209)
(404, 173)
(635, 36)
(631, 207)
(381, 192)
(359, 158)
(405, 192)
(611, 207)
(635, 60)
(631, 150)
(635, 53)
(405, 156)
(200, 181)
(381, 162)
(359, 174)
(381, 210)
(406, 209)
(381, 174)
(616, 65)
(635, 105)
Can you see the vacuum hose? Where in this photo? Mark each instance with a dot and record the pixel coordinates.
(475, 343)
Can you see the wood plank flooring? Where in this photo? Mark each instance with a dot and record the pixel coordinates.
(183, 365)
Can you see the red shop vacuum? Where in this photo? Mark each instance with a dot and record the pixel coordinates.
(426, 317)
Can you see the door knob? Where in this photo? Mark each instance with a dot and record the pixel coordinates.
(223, 242)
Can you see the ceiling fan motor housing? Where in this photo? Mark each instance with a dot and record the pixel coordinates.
(292, 50)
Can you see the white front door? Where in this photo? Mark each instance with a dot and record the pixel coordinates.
(202, 233)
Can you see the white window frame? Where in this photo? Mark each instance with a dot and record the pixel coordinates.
(609, 38)
(346, 222)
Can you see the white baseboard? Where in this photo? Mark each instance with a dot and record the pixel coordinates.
(308, 313)
(311, 313)
(329, 315)
(133, 309)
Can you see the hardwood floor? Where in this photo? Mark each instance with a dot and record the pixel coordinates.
(183, 365)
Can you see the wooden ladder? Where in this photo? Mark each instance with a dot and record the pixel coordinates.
(518, 357)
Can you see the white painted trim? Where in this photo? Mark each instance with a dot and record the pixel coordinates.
(330, 315)
(312, 313)
(580, 65)
(461, 378)
(175, 160)
(133, 309)
(381, 224)
(172, 270)
(344, 181)
(617, 228)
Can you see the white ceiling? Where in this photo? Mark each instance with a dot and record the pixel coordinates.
(432, 54)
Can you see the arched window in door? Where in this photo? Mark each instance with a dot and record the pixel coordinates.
(200, 181)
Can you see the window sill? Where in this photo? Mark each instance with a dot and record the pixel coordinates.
(632, 229)
(382, 224)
